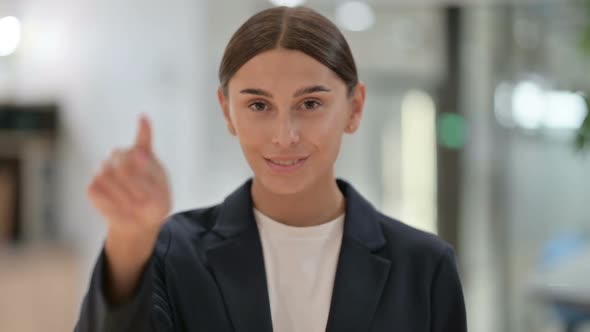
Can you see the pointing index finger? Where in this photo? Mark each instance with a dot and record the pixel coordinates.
(143, 140)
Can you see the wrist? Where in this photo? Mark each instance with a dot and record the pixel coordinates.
(129, 247)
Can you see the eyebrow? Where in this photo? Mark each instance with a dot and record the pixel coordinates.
(298, 93)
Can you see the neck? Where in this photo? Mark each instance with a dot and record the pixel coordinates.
(318, 204)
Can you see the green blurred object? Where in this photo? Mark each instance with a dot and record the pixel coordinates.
(585, 37)
(28, 118)
(583, 137)
(452, 131)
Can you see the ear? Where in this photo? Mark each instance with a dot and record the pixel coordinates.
(358, 103)
(223, 102)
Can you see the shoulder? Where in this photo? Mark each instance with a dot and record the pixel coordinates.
(199, 220)
(401, 240)
(185, 226)
(408, 243)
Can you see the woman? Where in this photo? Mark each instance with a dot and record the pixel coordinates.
(293, 248)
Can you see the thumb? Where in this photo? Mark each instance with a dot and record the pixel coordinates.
(143, 140)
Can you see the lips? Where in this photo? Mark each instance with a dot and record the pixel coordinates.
(285, 164)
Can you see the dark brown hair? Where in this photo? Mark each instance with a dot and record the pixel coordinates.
(301, 29)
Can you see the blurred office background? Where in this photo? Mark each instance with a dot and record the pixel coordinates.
(469, 131)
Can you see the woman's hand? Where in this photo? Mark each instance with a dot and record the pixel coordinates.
(131, 192)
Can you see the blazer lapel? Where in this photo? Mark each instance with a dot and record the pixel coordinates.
(361, 274)
(238, 265)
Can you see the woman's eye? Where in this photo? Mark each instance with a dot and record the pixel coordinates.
(310, 104)
(258, 106)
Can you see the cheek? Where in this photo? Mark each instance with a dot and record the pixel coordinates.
(251, 136)
(248, 128)
(251, 140)
(326, 136)
(331, 125)
(323, 133)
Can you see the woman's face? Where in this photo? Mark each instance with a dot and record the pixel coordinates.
(289, 112)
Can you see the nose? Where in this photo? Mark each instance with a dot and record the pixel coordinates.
(286, 132)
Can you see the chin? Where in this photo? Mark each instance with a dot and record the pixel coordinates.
(283, 185)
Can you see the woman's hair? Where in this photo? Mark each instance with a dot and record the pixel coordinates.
(301, 29)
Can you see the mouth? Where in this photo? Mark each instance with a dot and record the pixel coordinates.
(286, 164)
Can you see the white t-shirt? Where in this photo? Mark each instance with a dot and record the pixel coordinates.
(300, 265)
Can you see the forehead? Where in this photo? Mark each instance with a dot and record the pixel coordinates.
(283, 69)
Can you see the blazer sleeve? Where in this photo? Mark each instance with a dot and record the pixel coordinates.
(148, 309)
(447, 302)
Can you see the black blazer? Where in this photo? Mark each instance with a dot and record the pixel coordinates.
(207, 274)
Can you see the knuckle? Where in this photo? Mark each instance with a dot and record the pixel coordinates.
(108, 172)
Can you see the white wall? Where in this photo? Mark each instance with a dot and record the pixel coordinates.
(105, 62)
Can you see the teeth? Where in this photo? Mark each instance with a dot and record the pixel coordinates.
(285, 163)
